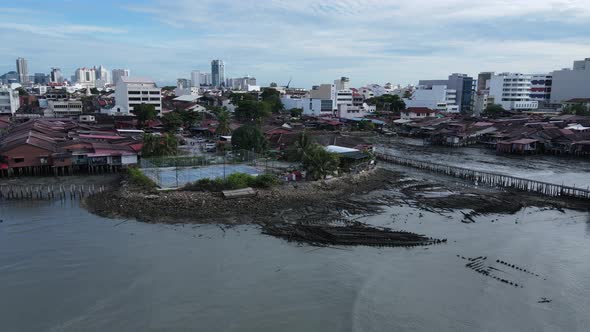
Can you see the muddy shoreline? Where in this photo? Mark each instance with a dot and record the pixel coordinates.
(352, 195)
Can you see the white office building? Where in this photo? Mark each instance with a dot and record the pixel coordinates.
(102, 74)
(9, 100)
(118, 73)
(86, 77)
(130, 92)
(512, 91)
(435, 97)
(571, 83)
(342, 84)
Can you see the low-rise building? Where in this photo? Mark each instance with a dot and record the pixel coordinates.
(64, 108)
(9, 100)
(131, 92)
(412, 113)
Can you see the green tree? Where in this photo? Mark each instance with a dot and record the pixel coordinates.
(172, 121)
(190, 118)
(273, 98)
(366, 125)
(236, 98)
(157, 146)
(319, 163)
(252, 111)
(145, 112)
(223, 124)
(94, 91)
(494, 110)
(250, 138)
(388, 103)
(296, 112)
(576, 109)
(22, 91)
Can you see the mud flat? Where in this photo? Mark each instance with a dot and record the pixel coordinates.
(293, 199)
(348, 196)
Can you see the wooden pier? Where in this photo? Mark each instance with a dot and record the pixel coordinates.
(490, 178)
(47, 192)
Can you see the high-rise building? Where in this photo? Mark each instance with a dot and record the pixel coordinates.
(342, 84)
(40, 78)
(102, 74)
(86, 77)
(241, 83)
(55, 76)
(196, 78)
(118, 73)
(217, 73)
(461, 84)
(183, 83)
(22, 70)
(571, 83)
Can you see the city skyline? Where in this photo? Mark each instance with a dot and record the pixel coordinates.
(370, 42)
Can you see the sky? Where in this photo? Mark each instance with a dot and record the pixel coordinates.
(310, 41)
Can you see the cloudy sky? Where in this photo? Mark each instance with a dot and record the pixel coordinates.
(312, 41)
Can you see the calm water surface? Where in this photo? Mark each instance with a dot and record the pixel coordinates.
(63, 269)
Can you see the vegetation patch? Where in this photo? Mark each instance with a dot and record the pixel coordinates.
(137, 178)
(234, 181)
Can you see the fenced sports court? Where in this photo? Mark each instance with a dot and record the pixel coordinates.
(176, 171)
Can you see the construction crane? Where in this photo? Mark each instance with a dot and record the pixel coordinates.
(290, 79)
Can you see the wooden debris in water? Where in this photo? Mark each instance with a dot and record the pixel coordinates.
(352, 235)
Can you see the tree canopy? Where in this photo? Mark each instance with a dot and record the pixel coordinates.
(223, 124)
(388, 103)
(494, 110)
(576, 109)
(319, 163)
(172, 121)
(252, 111)
(22, 91)
(157, 146)
(145, 112)
(296, 112)
(249, 138)
(273, 98)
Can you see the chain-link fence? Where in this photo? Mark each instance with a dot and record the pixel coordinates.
(176, 171)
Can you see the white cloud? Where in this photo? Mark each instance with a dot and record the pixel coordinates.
(316, 41)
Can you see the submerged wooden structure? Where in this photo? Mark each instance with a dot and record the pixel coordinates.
(490, 178)
(351, 235)
(47, 192)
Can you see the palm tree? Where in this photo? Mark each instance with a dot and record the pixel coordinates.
(223, 124)
(320, 163)
(302, 144)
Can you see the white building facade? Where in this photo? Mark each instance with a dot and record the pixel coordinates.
(435, 97)
(512, 91)
(86, 77)
(118, 73)
(130, 92)
(63, 108)
(9, 101)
